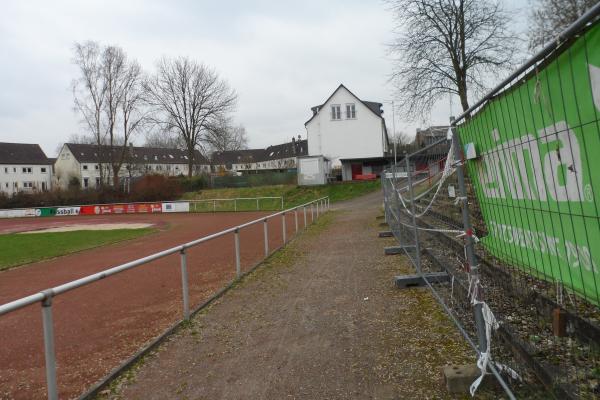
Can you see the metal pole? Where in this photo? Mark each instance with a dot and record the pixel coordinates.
(471, 257)
(312, 212)
(394, 129)
(234, 204)
(238, 269)
(184, 286)
(296, 218)
(266, 231)
(304, 216)
(214, 205)
(49, 347)
(283, 224)
(414, 218)
(257, 208)
(317, 207)
(282, 202)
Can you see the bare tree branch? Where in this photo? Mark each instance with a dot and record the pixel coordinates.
(447, 47)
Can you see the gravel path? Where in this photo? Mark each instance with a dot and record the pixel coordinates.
(320, 320)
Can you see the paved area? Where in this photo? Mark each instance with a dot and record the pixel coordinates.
(320, 320)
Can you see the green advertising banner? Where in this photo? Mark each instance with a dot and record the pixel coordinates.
(536, 170)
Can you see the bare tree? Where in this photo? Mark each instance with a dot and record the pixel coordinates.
(548, 18)
(447, 47)
(89, 92)
(189, 98)
(224, 136)
(110, 97)
(167, 140)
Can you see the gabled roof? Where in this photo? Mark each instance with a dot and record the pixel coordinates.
(371, 105)
(22, 153)
(91, 153)
(237, 156)
(294, 148)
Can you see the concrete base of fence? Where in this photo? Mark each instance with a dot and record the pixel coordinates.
(383, 224)
(380, 217)
(385, 234)
(389, 251)
(458, 378)
(405, 281)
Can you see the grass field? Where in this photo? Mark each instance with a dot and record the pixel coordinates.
(292, 195)
(18, 249)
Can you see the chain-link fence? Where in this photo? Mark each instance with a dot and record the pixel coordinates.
(502, 221)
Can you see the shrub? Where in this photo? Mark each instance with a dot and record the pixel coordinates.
(156, 187)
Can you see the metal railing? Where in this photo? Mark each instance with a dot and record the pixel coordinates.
(46, 297)
(238, 203)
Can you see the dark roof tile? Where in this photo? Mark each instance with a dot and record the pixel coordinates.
(22, 153)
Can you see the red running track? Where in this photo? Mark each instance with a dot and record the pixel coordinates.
(99, 326)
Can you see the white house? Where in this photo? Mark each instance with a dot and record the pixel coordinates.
(24, 168)
(350, 132)
(84, 161)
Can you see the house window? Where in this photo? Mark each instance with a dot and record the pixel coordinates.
(86, 183)
(43, 170)
(85, 167)
(28, 185)
(96, 167)
(97, 182)
(26, 170)
(336, 112)
(6, 170)
(350, 111)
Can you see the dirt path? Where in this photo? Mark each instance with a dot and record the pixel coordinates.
(321, 320)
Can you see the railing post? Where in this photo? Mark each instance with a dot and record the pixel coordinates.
(296, 218)
(214, 206)
(304, 216)
(471, 257)
(283, 225)
(317, 207)
(257, 208)
(266, 232)
(414, 217)
(312, 213)
(238, 269)
(234, 204)
(282, 202)
(184, 285)
(49, 355)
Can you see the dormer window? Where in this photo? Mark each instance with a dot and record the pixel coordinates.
(350, 111)
(336, 112)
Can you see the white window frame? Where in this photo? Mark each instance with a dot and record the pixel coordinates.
(336, 112)
(350, 111)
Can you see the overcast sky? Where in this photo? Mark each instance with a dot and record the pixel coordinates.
(281, 57)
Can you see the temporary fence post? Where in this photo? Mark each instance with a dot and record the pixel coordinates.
(184, 285)
(49, 355)
(296, 218)
(238, 269)
(266, 232)
(413, 212)
(304, 216)
(471, 257)
(283, 224)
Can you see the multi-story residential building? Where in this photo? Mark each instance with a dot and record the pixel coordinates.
(24, 168)
(350, 132)
(433, 134)
(86, 164)
(281, 157)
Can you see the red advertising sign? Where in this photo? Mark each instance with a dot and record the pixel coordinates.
(138, 208)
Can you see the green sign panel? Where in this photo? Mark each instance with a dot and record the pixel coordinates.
(537, 170)
(45, 212)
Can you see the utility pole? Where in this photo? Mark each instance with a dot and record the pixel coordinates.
(394, 129)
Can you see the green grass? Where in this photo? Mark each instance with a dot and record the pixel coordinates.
(292, 195)
(19, 249)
